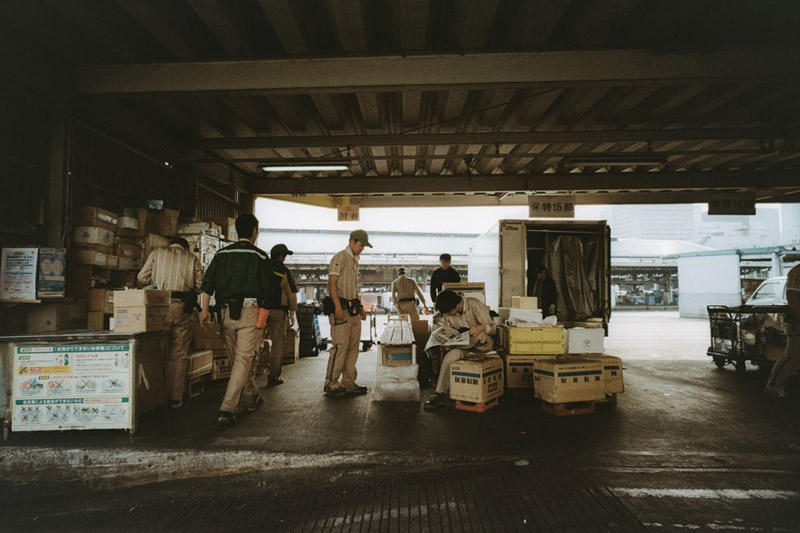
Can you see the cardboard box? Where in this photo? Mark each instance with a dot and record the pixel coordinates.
(94, 235)
(220, 367)
(85, 256)
(525, 302)
(422, 331)
(474, 289)
(518, 341)
(125, 263)
(209, 338)
(56, 316)
(565, 380)
(199, 363)
(141, 319)
(95, 216)
(519, 370)
(127, 251)
(227, 227)
(81, 279)
(142, 298)
(51, 282)
(132, 222)
(101, 300)
(612, 372)
(98, 321)
(199, 227)
(150, 243)
(397, 355)
(476, 379)
(585, 340)
(164, 222)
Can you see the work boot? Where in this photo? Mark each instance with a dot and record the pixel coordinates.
(333, 391)
(226, 418)
(355, 389)
(274, 381)
(256, 404)
(175, 404)
(436, 401)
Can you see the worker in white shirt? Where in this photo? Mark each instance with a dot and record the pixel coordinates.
(404, 295)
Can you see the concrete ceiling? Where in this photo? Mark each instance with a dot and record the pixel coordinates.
(440, 102)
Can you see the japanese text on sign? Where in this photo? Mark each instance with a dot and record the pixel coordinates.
(560, 206)
(348, 213)
(731, 204)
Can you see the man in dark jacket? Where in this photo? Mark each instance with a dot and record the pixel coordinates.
(445, 274)
(545, 290)
(281, 304)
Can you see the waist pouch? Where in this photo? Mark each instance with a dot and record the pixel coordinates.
(189, 300)
(353, 306)
(235, 308)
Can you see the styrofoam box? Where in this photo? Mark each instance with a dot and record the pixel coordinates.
(525, 302)
(526, 315)
(585, 340)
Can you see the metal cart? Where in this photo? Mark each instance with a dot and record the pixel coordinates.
(754, 333)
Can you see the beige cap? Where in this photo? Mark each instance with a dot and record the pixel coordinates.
(361, 236)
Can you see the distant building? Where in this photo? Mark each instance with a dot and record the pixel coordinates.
(661, 222)
(740, 231)
(790, 223)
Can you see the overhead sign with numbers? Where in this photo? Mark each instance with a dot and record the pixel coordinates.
(553, 206)
(347, 213)
(731, 203)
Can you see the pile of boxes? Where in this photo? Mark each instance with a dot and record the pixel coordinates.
(210, 338)
(396, 375)
(477, 379)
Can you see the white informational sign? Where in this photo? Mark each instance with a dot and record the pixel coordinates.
(77, 386)
(18, 274)
(348, 213)
(554, 206)
(731, 203)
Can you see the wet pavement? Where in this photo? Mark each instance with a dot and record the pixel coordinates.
(688, 446)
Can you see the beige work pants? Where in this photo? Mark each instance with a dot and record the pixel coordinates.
(443, 384)
(408, 308)
(242, 341)
(345, 339)
(180, 336)
(276, 325)
(788, 364)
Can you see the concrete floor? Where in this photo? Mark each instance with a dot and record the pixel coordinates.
(688, 446)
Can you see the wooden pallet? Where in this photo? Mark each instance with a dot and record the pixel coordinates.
(568, 409)
(477, 407)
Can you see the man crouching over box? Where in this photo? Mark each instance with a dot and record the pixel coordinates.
(461, 314)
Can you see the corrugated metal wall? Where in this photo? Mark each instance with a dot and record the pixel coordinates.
(24, 142)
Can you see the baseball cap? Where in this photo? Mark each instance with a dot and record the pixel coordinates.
(361, 236)
(279, 250)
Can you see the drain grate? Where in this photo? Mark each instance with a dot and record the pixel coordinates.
(482, 498)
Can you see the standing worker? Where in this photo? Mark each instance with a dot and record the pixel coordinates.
(281, 304)
(345, 313)
(176, 269)
(404, 294)
(445, 274)
(545, 291)
(789, 363)
(242, 280)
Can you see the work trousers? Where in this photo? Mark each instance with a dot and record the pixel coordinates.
(788, 364)
(242, 341)
(276, 325)
(443, 384)
(180, 336)
(408, 308)
(345, 339)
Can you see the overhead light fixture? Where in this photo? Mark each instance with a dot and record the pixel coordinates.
(618, 160)
(308, 165)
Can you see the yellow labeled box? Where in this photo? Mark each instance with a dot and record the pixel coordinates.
(519, 370)
(612, 372)
(519, 341)
(476, 379)
(568, 380)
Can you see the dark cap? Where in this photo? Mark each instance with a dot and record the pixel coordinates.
(401, 270)
(360, 235)
(279, 250)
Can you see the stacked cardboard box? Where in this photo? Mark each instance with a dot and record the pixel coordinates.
(101, 308)
(477, 378)
(472, 289)
(164, 222)
(585, 340)
(566, 380)
(210, 338)
(519, 369)
(56, 316)
(227, 227)
(137, 311)
(612, 372)
(532, 340)
(203, 238)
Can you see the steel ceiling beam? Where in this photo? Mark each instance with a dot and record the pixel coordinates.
(433, 72)
(448, 139)
(567, 182)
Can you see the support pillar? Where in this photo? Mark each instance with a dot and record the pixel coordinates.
(58, 190)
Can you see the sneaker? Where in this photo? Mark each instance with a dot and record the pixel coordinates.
(274, 381)
(775, 392)
(226, 418)
(256, 404)
(175, 404)
(436, 401)
(355, 389)
(335, 392)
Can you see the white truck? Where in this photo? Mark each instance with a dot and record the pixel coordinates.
(577, 255)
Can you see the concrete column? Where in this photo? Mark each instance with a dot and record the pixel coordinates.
(777, 269)
(58, 189)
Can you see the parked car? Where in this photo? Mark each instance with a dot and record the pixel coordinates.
(770, 292)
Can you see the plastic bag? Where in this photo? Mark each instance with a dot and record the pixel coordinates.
(403, 391)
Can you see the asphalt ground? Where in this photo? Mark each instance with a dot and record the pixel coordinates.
(687, 446)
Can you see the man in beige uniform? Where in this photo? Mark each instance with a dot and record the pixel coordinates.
(404, 294)
(176, 269)
(789, 363)
(346, 317)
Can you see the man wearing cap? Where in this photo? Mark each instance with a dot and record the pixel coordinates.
(281, 304)
(241, 279)
(345, 318)
(176, 269)
(404, 294)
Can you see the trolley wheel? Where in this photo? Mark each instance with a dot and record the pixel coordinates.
(720, 361)
(740, 365)
(366, 345)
